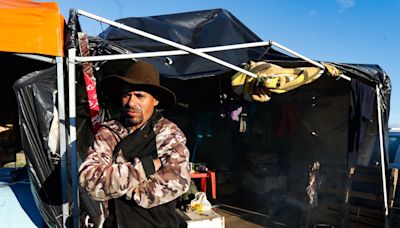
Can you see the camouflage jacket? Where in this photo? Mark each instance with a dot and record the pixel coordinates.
(105, 178)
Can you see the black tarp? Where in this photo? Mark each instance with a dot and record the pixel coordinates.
(11, 70)
(197, 29)
(36, 101)
(35, 95)
(208, 28)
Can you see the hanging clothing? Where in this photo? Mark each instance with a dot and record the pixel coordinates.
(288, 121)
(362, 102)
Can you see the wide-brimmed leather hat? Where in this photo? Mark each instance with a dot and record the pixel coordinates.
(142, 76)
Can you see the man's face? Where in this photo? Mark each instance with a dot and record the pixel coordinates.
(138, 106)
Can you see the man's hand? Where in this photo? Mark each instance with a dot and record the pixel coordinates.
(157, 164)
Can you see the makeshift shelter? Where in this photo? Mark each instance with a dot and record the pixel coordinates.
(332, 122)
(284, 151)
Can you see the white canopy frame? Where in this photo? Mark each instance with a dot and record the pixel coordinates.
(64, 142)
(382, 153)
(73, 60)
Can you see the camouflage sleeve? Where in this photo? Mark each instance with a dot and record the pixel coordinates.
(173, 178)
(104, 178)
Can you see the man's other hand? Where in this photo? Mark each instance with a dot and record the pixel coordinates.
(157, 164)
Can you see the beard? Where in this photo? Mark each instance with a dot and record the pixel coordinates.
(130, 120)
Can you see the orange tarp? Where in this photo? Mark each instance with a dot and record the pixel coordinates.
(31, 27)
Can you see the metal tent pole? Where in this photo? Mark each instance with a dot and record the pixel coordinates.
(61, 125)
(72, 137)
(38, 57)
(381, 147)
(298, 55)
(202, 50)
(169, 53)
(62, 138)
(186, 49)
(165, 41)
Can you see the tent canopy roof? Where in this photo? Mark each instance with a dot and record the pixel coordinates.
(31, 27)
(198, 29)
(208, 28)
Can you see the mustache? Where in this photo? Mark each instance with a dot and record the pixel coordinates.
(134, 109)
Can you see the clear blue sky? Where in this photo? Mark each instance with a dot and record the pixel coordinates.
(344, 31)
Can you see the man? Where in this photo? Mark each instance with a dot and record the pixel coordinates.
(139, 162)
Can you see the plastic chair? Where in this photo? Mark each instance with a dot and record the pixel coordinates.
(204, 176)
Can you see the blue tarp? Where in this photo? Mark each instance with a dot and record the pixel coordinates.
(17, 206)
